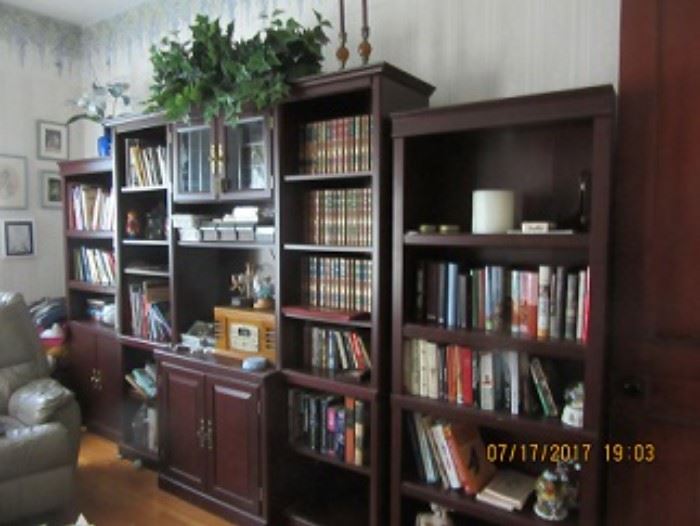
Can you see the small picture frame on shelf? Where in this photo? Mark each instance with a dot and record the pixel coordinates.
(13, 182)
(50, 189)
(18, 239)
(52, 141)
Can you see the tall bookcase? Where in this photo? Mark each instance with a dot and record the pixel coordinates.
(94, 370)
(327, 490)
(139, 259)
(537, 146)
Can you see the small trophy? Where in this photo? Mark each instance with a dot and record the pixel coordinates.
(242, 288)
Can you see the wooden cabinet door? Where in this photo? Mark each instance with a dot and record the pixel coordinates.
(655, 385)
(82, 368)
(183, 445)
(107, 415)
(234, 459)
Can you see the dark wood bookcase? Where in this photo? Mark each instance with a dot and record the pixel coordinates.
(537, 146)
(326, 490)
(94, 363)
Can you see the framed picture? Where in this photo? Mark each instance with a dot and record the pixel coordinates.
(50, 189)
(18, 238)
(52, 140)
(13, 182)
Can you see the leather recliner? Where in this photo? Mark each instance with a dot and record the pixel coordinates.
(41, 421)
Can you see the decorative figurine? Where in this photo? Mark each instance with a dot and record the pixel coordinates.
(569, 474)
(551, 497)
(133, 224)
(155, 223)
(242, 288)
(438, 517)
(572, 415)
(264, 292)
(580, 220)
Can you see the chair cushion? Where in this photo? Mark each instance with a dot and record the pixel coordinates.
(21, 356)
(33, 449)
(8, 423)
(35, 402)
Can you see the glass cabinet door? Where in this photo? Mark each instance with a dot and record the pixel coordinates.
(246, 157)
(196, 163)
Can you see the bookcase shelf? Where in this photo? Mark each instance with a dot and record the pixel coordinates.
(140, 343)
(146, 242)
(326, 316)
(305, 178)
(143, 189)
(345, 104)
(533, 427)
(490, 340)
(322, 381)
(327, 459)
(90, 234)
(504, 143)
(144, 272)
(226, 245)
(336, 249)
(91, 287)
(458, 501)
(514, 241)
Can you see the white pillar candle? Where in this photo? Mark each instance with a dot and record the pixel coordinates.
(492, 211)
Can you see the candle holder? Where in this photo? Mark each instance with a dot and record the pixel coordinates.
(343, 53)
(365, 48)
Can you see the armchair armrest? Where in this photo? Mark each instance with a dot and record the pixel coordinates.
(35, 402)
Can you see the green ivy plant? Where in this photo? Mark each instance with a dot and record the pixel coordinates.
(213, 75)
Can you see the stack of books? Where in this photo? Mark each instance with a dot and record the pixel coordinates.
(337, 283)
(95, 266)
(491, 380)
(335, 350)
(90, 208)
(450, 454)
(336, 146)
(547, 303)
(143, 381)
(331, 425)
(145, 164)
(150, 310)
(508, 490)
(339, 217)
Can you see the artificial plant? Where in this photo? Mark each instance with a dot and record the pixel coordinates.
(214, 75)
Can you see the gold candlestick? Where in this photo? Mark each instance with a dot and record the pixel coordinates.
(343, 53)
(365, 49)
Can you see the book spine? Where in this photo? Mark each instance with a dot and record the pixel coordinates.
(486, 383)
(462, 302)
(416, 448)
(581, 304)
(359, 433)
(544, 282)
(571, 298)
(442, 294)
(420, 291)
(587, 307)
(515, 303)
(445, 456)
(466, 372)
(532, 301)
(350, 430)
(452, 294)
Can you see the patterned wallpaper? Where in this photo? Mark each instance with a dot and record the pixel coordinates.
(33, 40)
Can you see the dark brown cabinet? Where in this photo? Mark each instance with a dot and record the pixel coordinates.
(95, 375)
(212, 434)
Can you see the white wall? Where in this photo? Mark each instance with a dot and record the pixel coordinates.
(39, 72)
(468, 49)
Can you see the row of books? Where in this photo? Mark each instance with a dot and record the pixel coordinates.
(145, 163)
(336, 146)
(453, 455)
(95, 266)
(331, 425)
(339, 217)
(337, 283)
(491, 380)
(143, 380)
(450, 454)
(90, 208)
(548, 303)
(150, 310)
(335, 350)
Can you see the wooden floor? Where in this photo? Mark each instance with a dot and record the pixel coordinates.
(111, 492)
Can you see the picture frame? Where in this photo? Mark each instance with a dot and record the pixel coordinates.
(13, 182)
(51, 194)
(18, 238)
(52, 141)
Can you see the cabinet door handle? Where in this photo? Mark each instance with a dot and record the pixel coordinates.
(210, 435)
(201, 433)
